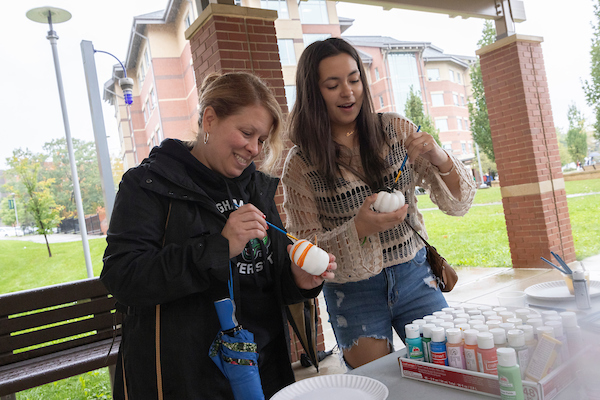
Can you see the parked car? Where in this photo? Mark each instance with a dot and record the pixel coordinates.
(3, 232)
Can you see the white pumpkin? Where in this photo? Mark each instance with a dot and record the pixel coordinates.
(309, 257)
(388, 202)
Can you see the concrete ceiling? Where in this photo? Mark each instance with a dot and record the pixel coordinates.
(488, 9)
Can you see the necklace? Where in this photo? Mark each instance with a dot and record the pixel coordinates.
(350, 133)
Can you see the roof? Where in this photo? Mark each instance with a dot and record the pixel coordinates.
(434, 54)
(386, 42)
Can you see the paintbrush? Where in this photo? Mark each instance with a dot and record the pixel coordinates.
(274, 227)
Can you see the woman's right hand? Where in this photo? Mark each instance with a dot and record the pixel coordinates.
(244, 224)
(368, 221)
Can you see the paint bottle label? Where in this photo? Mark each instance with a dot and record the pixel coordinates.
(471, 358)
(427, 349)
(438, 353)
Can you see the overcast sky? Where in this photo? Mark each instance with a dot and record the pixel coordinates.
(30, 109)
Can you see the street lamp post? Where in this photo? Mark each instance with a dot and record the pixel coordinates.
(57, 15)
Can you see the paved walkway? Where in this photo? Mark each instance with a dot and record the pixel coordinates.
(52, 238)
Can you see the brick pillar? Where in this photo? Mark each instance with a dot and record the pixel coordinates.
(227, 38)
(526, 149)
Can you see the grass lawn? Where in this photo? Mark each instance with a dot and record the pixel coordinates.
(477, 239)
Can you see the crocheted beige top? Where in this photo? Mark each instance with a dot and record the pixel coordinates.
(315, 208)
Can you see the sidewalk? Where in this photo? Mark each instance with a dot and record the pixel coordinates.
(52, 238)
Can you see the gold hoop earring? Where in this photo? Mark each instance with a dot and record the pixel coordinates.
(206, 137)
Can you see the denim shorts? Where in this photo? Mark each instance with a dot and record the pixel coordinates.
(395, 297)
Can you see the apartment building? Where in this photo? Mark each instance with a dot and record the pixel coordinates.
(165, 95)
(395, 66)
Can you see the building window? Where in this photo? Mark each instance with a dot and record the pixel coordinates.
(278, 5)
(459, 121)
(188, 20)
(466, 124)
(286, 51)
(459, 76)
(455, 99)
(433, 74)
(451, 74)
(442, 124)
(376, 73)
(310, 38)
(404, 74)
(463, 147)
(437, 99)
(290, 96)
(237, 2)
(462, 100)
(447, 146)
(147, 58)
(145, 112)
(313, 12)
(152, 98)
(157, 135)
(381, 103)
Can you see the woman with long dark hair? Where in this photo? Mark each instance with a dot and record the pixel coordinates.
(344, 154)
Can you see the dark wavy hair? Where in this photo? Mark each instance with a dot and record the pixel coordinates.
(309, 125)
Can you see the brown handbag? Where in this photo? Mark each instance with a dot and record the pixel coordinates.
(445, 275)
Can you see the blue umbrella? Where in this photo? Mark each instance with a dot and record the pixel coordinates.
(235, 352)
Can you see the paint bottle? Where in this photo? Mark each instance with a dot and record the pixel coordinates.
(488, 314)
(455, 348)
(530, 341)
(536, 323)
(499, 337)
(470, 349)
(523, 313)
(560, 336)
(516, 340)
(463, 327)
(493, 323)
(506, 315)
(580, 287)
(481, 327)
(426, 339)
(548, 313)
(507, 326)
(448, 310)
(509, 375)
(487, 360)
(414, 344)
(515, 321)
(439, 354)
(572, 331)
(447, 325)
(420, 322)
(458, 321)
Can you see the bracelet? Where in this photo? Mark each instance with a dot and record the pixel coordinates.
(451, 169)
(446, 173)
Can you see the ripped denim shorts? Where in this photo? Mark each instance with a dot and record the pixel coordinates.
(395, 297)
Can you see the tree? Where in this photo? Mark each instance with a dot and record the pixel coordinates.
(576, 136)
(87, 172)
(565, 157)
(478, 111)
(7, 214)
(592, 89)
(414, 110)
(35, 193)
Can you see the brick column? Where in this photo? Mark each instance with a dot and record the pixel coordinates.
(227, 38)
(526, 149)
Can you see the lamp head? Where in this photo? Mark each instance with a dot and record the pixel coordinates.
(127, 87)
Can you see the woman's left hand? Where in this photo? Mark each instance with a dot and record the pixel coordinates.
(307, 281)
(424, 145)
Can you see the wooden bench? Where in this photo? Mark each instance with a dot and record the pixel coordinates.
(56, 332)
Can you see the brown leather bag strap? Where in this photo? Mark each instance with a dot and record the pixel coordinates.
(418, 234)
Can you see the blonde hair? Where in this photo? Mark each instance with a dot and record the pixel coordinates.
(228, 93)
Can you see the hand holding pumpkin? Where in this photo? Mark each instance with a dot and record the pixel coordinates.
(368, 221)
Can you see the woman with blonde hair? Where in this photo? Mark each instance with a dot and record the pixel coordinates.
(187, 218)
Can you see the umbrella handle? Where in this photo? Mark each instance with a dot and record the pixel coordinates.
(226, 313)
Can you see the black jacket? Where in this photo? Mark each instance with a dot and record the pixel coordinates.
(166, 262)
